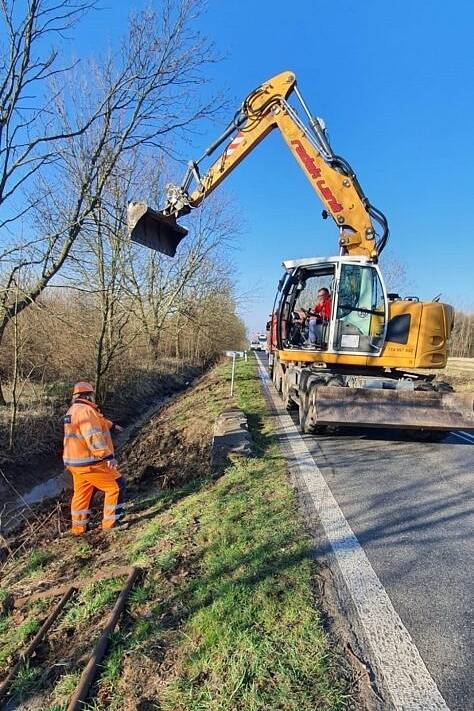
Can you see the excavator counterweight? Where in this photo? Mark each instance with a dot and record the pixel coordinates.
(153, 229)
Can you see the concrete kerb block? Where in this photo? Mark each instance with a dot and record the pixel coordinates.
(231, 438)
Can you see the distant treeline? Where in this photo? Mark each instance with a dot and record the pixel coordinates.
(462, 338)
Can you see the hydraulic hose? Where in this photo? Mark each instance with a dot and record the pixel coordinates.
(380, 218)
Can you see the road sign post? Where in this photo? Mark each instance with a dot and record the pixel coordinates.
(233, 375)
(233, 355)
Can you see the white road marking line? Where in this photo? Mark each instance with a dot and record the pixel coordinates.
(463, 436)
(392, 652)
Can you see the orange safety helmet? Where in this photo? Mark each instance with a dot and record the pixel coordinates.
(82, 387)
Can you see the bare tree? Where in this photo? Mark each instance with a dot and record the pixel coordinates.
(462, 337)
(161, 288)
(395, 273)
(120, 105)
(28, 61)
(105, 253)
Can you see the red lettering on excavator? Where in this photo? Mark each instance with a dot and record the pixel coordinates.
(308, 162)
(327, 195)
(315, 172)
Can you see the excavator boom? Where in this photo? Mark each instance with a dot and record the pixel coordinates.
(331, 176)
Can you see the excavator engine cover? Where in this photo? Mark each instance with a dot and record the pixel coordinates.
(153, 229)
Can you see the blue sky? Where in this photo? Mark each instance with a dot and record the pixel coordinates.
(394, 83)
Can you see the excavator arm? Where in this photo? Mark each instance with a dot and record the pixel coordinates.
(331, 176)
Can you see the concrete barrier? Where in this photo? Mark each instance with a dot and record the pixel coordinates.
(231, 438)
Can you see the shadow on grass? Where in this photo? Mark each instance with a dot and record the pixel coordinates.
(164, 499)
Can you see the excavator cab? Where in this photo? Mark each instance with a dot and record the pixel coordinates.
(354, 320)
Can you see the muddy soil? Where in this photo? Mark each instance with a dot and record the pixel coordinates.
(170, 449)
(131, 415)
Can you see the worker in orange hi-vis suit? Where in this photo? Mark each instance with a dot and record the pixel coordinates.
(89, 457)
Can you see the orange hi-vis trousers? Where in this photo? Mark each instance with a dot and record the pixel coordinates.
(86, 480)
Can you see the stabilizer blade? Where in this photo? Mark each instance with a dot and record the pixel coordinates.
(392, 408)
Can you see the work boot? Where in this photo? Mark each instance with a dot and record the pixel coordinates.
(71, 534)
(119, 525)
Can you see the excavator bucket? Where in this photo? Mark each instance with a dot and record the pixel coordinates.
(394, 408)
(153, 229)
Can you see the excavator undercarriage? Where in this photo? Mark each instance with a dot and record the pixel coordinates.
(406, 401)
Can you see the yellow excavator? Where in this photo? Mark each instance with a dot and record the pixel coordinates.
(362, 360)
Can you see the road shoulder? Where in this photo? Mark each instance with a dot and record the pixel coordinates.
(397, 673)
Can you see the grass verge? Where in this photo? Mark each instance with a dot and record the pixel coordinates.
(224, 616)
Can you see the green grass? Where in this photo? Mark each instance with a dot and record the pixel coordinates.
(92, 600)
(147, 539)
(62, 691)
(111, 670)
(25, 681)
(37, 561)
(243, 628)
(223, 617)
(12, 637)
(253, 639)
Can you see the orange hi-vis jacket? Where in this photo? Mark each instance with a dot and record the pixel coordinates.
(87, 438)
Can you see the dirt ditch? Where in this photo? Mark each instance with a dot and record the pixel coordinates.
(41, 460)
(50, 481)
(168, 451)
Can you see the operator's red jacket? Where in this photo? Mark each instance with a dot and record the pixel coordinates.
(87, 438)
(324, 309)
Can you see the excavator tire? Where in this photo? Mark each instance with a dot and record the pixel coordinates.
(288, 403)
(307, 411)
(303, 415)
(278, 377)
(338, 382)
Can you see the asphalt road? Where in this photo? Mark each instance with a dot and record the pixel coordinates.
(410, 505)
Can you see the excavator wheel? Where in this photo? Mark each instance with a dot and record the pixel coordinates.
(278, 376)
(271, 368)
(288, 403)
(304, 425)
(307, 411)
(338, 382)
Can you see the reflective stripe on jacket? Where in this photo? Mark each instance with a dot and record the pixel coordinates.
(87, 438)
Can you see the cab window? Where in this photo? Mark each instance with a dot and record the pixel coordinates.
(360, 315)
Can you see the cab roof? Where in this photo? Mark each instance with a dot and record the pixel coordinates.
(291, 264)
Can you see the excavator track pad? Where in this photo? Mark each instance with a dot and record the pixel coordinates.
(153, 229)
